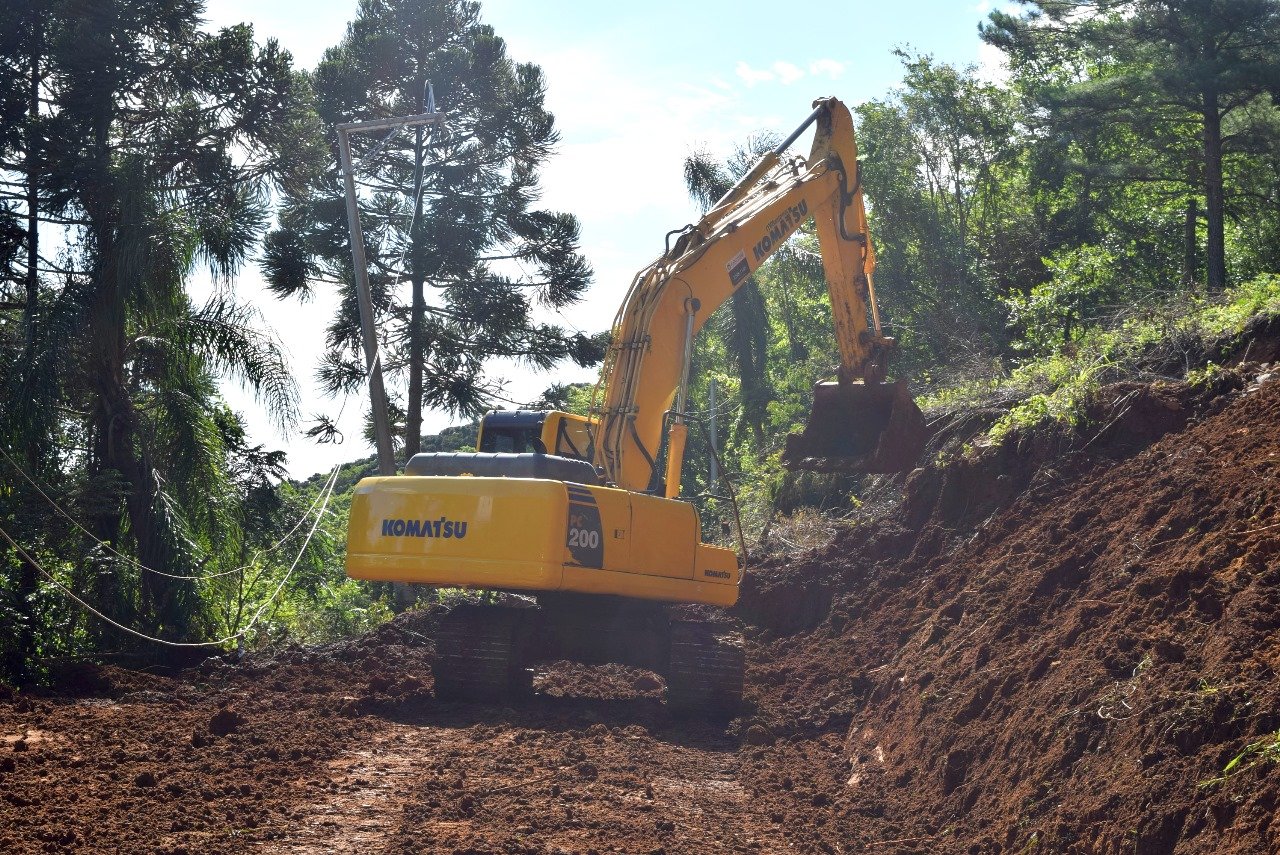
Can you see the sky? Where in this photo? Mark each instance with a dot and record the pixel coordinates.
(635, 88)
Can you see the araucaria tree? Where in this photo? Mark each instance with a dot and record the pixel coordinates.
(459, 256)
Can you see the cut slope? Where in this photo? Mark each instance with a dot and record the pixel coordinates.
(1071, 674)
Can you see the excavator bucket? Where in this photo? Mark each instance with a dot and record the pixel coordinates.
(857, 428)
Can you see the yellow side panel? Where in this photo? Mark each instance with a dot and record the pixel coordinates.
(598, 533)
(664, 537)
(478, 532)
(534, 535)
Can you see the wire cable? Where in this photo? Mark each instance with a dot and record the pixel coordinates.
(377, 149)
(128, 560)
(239, 634)
(728, 482)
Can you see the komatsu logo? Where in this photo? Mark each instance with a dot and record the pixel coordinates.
(442, 527)
(779, 229)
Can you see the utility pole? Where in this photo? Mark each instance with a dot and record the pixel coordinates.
(377, 391)
(715, 450)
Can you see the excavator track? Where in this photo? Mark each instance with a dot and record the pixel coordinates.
(482, 653)
(705, 670)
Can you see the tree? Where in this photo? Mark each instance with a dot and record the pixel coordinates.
(1198, 62)
(469, 229)
(22, 51)
(938, 164)
(180, 132)
(153, 145)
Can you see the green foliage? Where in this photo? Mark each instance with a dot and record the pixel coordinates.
(330, 612)
(565, 397)
(1057, 385)
(1261, 752)
(1179, 83)
(949, 210)
(152, 149)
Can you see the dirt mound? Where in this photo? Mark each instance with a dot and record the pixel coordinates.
(1069, 667)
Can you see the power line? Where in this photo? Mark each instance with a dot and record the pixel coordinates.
(221, 641)
(61, 512)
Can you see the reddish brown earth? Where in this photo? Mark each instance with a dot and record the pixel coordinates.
(1055, 647)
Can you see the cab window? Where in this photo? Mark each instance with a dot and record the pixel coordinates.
(573, 439)
(512, 440)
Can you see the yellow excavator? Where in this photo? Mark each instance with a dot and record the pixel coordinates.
(582, 515)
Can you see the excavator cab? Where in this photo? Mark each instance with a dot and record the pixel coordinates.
(537, 431)
(859, 427)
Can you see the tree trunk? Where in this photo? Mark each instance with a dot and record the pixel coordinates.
(32, 163)
(114, 419)
(1215, 248)
(27, 581)
(750, 352)
(1190, 244)
(413, 414)
(164, 603)
(105, 524)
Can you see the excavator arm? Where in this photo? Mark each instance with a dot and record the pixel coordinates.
(670, 300)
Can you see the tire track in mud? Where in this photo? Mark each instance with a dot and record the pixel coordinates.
(357, 798)
(432, 788)
(531, 785)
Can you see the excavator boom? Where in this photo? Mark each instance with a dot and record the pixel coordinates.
(858, 423)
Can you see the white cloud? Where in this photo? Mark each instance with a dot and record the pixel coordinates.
(787, 73)
(827, 68)
(983, 7)
(752, 76)
(622, 172)
(784, 72)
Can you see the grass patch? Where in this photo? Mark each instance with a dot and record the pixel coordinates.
(1055, 386)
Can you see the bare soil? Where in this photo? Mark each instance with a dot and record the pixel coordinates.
(1055, 647)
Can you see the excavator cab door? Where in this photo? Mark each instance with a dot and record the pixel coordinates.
(859, 427)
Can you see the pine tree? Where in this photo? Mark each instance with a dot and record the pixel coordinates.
(451, 210)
